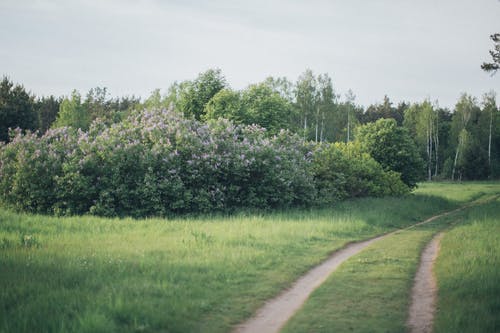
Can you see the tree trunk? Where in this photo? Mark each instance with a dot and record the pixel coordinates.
(455, 163)
(317, 124)
(436, 146)
(322, 127)
(489, 140)
(348, 125)
(429, 152)
(305, 127)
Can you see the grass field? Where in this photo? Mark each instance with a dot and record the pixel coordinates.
(459, 192)
(376, 284)
(204, 274)
(369, 292)
(468, 273)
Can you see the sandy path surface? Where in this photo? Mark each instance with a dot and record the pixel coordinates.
(276, 312)
(424, 292)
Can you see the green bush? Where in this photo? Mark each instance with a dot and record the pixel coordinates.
(345, 171)
(392, 146)
(157, 162)
(30, 166)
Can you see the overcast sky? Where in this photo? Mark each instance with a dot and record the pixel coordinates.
(407, 49)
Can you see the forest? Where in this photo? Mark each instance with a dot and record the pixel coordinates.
(201, 146)
(462, 143)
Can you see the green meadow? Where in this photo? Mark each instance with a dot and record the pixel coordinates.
(375, 285)
(369, 292)
(198, 274)
(468, 273)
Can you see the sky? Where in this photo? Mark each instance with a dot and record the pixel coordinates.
(405, 49)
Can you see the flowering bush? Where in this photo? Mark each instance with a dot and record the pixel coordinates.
(155, 162)
(30, 166)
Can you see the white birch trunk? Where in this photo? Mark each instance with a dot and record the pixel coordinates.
(489, 139)
(436, 146)
(322, 127)
(455, 163)
(348, 124)
(429, 151)
(317, 124)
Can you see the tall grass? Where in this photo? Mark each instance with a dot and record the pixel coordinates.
(468, 273)
(370, 292)
(459, 191)
(186, 275)
(200, 274)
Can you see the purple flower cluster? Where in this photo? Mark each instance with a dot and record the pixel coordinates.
(155, 162)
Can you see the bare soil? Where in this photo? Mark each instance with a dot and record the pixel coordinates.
(424, 292)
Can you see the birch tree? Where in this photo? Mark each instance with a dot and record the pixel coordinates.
(349, 103)
(325, 105)
(463, 112)
(489, 110)
(427, 128)
(436, 139)
(306, 98)
(421, 120)
(73, 113)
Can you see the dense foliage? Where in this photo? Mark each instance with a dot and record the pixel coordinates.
(393, 148)
(458, 144)
(157, 162)
(345, 171)
(16, 108)
(259, 105)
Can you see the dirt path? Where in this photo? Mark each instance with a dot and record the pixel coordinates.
(423, 296)
(273, 315)
(276, 312)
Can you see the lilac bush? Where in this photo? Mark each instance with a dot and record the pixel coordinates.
(157, 163)
(30, 166)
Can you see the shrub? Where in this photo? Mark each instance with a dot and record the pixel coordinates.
(30, 166)
(344, 171)
(156, 162)
(392, 147)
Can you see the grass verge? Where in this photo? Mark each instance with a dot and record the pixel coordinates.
(468, 273)
(459, 191)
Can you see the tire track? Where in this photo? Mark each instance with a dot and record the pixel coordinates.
(273, 315)
(276, 312)
(424, 291)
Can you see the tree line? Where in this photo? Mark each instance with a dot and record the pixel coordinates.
(459, 144)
